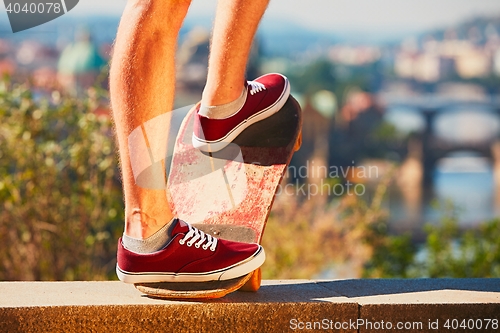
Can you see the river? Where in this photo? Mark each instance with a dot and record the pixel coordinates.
(464, 177)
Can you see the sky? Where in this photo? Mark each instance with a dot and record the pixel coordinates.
(357, 20)
(342, 15)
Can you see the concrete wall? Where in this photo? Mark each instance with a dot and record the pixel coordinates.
(423, 305)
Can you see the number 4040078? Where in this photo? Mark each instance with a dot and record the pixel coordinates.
(34, 8)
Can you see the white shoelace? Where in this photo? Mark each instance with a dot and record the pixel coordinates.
(196, 234)
(256, 87)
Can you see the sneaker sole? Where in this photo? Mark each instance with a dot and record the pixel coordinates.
(214, 146)
(238, 270)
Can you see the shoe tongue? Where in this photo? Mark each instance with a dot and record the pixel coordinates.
(180, 227)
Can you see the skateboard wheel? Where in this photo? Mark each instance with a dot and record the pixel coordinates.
(253, 284)
(298, 143)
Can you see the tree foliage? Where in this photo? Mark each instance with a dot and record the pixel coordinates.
(60, 201)
(448, 251)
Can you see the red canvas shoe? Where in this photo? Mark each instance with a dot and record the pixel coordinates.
(266, 95)
(191, 256)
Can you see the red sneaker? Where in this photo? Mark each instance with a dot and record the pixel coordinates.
(191, 256)
(266, 95)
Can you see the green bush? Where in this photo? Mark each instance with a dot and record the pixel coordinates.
(61, 207)
(303, 240)
(447, 252)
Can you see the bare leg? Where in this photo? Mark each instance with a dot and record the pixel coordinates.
(234, 30)
(142, 83)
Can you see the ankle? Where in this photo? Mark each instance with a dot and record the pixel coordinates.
(140, 225)
(220, 111)
(220, 94)
(152, 243)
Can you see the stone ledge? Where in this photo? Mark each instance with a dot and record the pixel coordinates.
(279, 306)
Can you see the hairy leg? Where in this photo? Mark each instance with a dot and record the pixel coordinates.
(142, 84)
(235, 26)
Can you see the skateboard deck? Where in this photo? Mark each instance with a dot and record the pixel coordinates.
(229, 193)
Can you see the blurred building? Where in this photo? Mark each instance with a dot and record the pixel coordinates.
(496, 62)
(192, 60)
(80, 64)
(31, 54)
(473, 63)
(354, 55)
(7, 64)
(470, 55)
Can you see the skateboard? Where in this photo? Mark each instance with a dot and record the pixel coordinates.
(229, 193)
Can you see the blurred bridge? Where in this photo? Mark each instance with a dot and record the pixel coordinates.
(432, 147)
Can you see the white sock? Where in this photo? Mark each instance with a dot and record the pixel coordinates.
(153, 243)
(224, 110)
